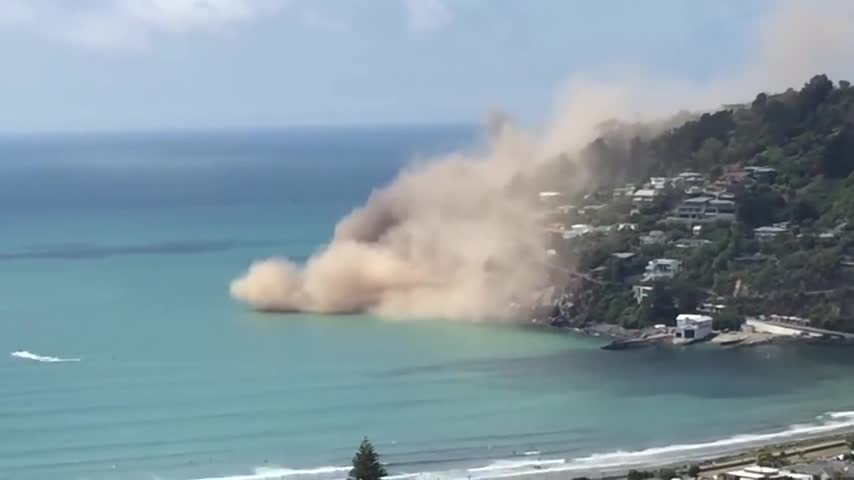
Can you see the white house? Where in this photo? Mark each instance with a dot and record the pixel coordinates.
(659, 182)
(550, 198)
(645, 195)
(768, 233)
(691, 243)
(689, 178)
(693, 327)
(755, 472)
(662, 269)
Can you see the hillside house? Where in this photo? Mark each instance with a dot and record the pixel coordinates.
(661, 269)
(764, 234)
(646, 195)
(762, 174)
(690, 178)
(659, 183)
(704, 209)
(691, 243)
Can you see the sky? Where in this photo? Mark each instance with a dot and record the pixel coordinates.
(92, 65)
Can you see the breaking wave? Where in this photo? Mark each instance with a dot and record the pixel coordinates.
(276, 473)
(503, 465)
(24, 354)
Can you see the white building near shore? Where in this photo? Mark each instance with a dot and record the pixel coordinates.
(756, 472)
(693, 327)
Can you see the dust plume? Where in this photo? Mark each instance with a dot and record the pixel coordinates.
(461, 236)
(457, 237)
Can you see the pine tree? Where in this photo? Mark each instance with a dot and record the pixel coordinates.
(366, 463)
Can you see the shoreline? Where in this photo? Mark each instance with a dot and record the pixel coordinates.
(810, 447)
(797, 450)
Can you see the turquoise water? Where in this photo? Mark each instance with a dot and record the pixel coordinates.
(116, 254)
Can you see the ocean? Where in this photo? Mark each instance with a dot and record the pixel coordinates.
(122, 355)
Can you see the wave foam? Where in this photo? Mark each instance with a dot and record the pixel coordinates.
(515, 465)
(278, 473)
(41, 358)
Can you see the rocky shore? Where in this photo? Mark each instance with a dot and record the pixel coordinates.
(622, 338)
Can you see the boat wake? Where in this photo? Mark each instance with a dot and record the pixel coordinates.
(829, 423)
(23, 354)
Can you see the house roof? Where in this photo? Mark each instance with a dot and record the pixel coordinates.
(646, 192)
(698, 200)
(760, 169)
(665, 261)
(769, 229)
(746, 474)
(693, 317)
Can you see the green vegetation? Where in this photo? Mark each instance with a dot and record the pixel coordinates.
(804, 139)
(667, 474)
(694, 471)
(766, 458)
(366, 463)
(727, 320)
(639, 475)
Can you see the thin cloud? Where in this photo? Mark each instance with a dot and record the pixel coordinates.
(428, 15)
(16, 12)
(130, 24)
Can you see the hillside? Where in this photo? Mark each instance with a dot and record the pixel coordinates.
(747, 210)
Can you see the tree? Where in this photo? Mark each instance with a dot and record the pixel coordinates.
(659, 306)
(638, 475)
(760, 208)
(802, 210)
(667, 474)
(727, 320)
(709, 153)
(694, 471)
(769, 459)
(838, 158)
(366, 463)
(759, 104)
(814, 93)
(687, 296)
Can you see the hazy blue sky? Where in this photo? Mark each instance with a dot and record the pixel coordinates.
(128, 64)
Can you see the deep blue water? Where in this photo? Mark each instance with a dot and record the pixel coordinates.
(117, 251)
